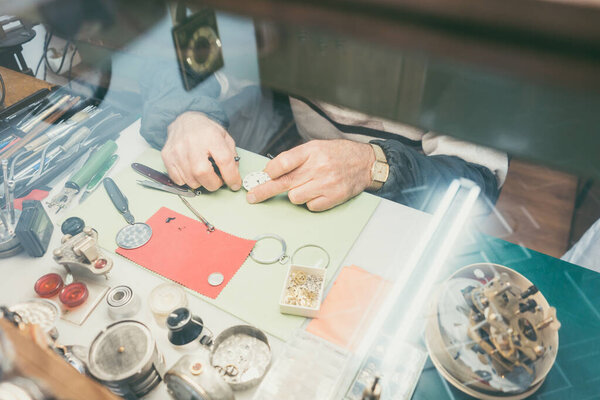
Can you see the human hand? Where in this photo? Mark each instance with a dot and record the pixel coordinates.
(191, 139)
(320, 173)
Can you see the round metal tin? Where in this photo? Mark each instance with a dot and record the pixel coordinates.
(242, 356)
(41, 312)
(134, 236)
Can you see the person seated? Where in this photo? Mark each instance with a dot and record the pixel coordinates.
(337, 161)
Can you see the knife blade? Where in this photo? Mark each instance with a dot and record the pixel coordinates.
(165, 188)
(158, 177)
(118, 199)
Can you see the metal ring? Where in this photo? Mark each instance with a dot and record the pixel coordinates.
(282, 258)
(315, 246)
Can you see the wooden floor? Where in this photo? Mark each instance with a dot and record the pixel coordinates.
(537, 204)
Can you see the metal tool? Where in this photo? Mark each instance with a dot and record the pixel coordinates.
(83, 176)
(165, 188)
(82, 251)
(102, 172)
(134, 235)
(122, 302)
(162, 179)
(209, 226)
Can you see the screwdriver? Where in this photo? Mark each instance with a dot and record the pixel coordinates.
(83, 176)
(95, 182)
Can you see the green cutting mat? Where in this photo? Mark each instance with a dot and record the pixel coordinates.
(253, 293)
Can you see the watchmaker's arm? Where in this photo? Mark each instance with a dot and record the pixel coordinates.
(419, 180)
(165, 99)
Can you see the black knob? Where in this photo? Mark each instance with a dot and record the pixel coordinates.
(183, 327)
(530, 305)
(532, 290)
(72, 226)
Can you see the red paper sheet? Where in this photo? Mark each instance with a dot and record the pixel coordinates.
(35, 194)
(182, 250)
(343, 316)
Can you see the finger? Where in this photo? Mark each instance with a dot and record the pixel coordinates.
(286, 162)
(225, 159)
(231, 143)
(172, 169)
(275, 187)
(304, 193)
(321, 203)
(204, 174)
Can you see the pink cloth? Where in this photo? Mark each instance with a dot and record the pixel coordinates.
(349, 306)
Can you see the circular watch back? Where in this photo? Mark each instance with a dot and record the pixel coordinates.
(134, 236)
(120, 351)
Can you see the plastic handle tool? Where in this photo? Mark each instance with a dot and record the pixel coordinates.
(76, 137)
(102, 172)
(92, 165)
(118, 199)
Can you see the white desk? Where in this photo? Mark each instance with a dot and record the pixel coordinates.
(391, 234)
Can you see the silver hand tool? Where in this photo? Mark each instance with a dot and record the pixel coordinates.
(6, 190)
(165, 188)
(209, 226)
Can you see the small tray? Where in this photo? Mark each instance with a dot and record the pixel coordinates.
(303, 311)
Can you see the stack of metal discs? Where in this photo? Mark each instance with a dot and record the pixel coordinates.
(124, 357)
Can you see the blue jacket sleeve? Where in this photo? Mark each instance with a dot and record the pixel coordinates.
(165, 99)
(419, 181)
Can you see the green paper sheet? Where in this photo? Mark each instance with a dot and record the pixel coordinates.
(253, 293)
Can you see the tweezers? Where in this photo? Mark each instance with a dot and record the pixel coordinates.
(165, 188)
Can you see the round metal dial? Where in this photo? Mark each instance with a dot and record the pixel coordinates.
(254, 179)
(134, 236)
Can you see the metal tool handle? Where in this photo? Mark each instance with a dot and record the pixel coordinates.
(118, 198)
(101, 172)
(92, 165)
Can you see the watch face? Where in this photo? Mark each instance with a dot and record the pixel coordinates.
(380, 171)
(179, 389)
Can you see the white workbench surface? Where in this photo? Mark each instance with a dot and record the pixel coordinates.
(383, 246)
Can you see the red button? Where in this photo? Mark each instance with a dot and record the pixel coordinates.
(100, 263)
(74, 294)
(49, 285)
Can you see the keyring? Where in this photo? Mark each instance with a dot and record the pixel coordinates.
(281, 258)
(313, 246)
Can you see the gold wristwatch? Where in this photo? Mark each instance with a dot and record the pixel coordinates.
(380, 169)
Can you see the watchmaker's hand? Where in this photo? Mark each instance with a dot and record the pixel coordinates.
(320, 173)
(192, 139)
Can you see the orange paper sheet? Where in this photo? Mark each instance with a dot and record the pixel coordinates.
(182, 250)
(343, 315)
